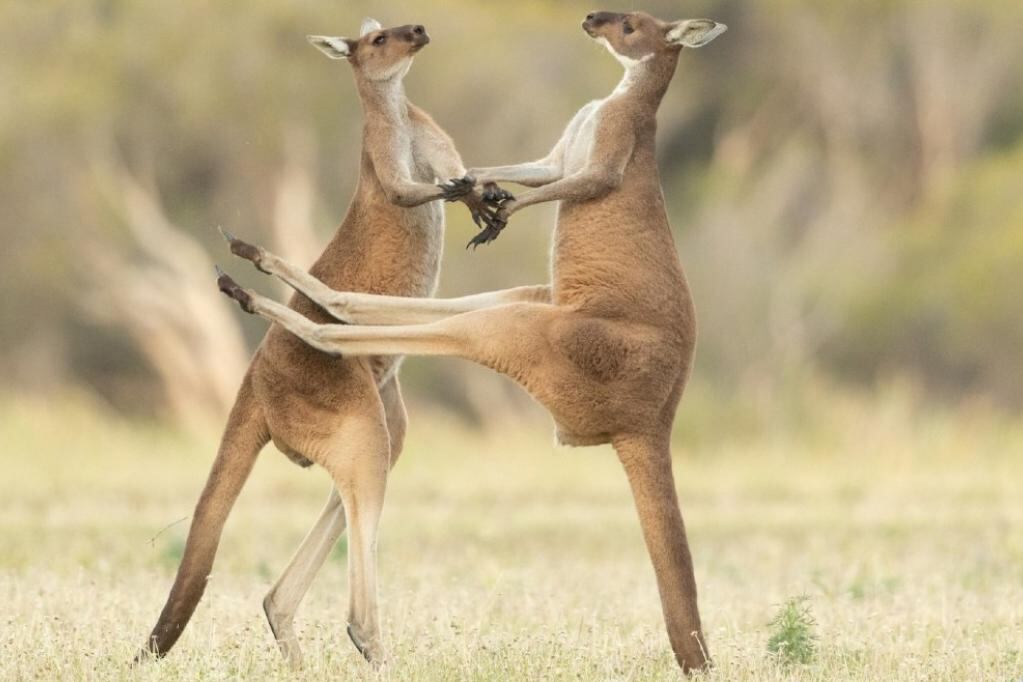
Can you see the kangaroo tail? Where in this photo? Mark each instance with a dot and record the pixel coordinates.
(244, 437)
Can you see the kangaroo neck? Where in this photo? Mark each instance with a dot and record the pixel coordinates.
(384, 100)
(646, 81)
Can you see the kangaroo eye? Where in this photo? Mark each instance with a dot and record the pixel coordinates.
(379, 40)
(627, 28)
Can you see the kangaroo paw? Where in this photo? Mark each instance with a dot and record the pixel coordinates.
(232, 290)
(484, 236)
(495, 223)
(494, 194)
(456, 188)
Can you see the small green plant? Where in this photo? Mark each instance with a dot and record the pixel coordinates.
(792, 636)
(172, 551)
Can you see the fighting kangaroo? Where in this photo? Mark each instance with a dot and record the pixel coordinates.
(610, 351)
(345, 414)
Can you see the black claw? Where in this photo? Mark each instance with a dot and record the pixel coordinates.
(485, 236)
(244, 250)
(230, 288)
(495, 222)
(456, 188)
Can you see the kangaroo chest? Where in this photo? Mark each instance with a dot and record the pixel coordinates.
(581, 135)
(411, 154)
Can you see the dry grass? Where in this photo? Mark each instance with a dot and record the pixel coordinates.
(504, 558)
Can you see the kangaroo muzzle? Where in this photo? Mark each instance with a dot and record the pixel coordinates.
(596, 20)
(418, 36)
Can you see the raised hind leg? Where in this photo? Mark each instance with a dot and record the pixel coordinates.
(647, 462)
(361, 308)
(510, 338)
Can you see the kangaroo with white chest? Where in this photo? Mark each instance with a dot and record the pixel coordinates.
(608, 348)
(345, 414)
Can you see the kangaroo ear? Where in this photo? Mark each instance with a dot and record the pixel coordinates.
(335, 48)
(368, 26)
(694, 32)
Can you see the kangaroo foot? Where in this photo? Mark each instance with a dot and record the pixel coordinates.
(249, 252)
(232, 290)
(284, 633)
(370, 649)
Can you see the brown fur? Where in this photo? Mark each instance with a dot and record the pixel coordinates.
(608, 348)
(344, 413)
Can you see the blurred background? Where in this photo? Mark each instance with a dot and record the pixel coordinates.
(845, 185)
(844, 181)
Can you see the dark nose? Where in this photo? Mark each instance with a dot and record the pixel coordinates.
(418, 30)
(598, 19)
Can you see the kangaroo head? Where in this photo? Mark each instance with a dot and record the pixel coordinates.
(379, 53)
(636, 36)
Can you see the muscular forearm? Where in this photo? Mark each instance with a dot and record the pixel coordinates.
(578, 187)
(529, 174)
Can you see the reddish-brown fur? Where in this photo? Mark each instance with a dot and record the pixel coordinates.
(610, 352)
(343, 413)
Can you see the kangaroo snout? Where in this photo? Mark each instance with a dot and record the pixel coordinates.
(418, 36)
(595, 20)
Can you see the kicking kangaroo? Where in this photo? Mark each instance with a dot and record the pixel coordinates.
(610, 353)
(344, 414)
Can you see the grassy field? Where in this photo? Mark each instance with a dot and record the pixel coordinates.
(505, 558)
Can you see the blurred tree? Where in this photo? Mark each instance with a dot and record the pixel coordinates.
(176, 319)
(947, 309)
(816, 163)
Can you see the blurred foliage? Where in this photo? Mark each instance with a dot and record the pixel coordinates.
(843, 178)
(948, 308)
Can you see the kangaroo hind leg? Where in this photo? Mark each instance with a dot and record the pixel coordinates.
(358, 461)
(282, 602)
(647, 462)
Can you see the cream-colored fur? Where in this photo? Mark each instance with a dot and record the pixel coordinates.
(608, 348)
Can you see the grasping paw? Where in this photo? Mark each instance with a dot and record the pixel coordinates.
(245, 250)
(495, 195)
(483, 214)
(498, 221)
(484, 236)
(456, 188)
(232, 290)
